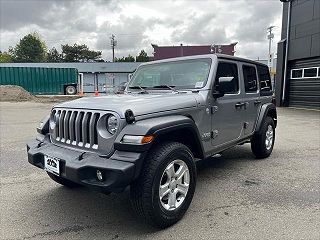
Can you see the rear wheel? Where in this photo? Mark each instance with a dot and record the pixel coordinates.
(71, 90)
(262, 143)
(165, 188)
(63, 181)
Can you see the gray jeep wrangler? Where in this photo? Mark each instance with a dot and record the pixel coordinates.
(173, 113)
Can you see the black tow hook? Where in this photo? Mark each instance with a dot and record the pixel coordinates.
(81, 156)
(40, 144)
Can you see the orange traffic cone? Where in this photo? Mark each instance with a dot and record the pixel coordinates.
(96, 93)
(80, 94)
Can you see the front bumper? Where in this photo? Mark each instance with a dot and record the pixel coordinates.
(119, 170)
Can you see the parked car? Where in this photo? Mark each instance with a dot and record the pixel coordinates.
(173, 113)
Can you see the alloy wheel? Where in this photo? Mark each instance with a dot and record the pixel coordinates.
(174, 185)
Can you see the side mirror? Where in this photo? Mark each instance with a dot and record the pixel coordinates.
(224, 85)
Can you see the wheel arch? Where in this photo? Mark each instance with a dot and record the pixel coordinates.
(267, 110)
(184, 134)
(170, 128)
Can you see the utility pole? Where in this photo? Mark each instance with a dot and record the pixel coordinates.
(113, 44)
(270, 37)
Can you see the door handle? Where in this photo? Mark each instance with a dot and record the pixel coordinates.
(239, 104)
(245, 104)
(257, 102)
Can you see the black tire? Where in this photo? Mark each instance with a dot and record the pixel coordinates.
(258, 142)
(63, 181)
(70, 90)
(145, 198)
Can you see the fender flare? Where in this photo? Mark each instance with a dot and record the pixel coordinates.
(157, 127)
(268, 109)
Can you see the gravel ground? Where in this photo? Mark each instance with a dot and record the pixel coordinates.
(237, 197)
(12, 93)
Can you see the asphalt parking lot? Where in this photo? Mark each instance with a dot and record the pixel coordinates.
(237, 197)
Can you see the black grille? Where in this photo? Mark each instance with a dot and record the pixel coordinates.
(75, 127)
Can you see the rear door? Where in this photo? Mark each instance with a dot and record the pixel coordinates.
(251, 97)
(226, 116)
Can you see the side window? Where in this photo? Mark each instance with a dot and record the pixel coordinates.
(250, 79)
(264, 79)
(228, 70)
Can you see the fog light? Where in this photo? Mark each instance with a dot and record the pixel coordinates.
(99, 175)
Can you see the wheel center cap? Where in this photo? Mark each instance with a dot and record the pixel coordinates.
(173, 184)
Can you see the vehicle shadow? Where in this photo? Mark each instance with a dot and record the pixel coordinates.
(112, 214)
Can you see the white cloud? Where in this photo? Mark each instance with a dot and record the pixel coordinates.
(138, 23)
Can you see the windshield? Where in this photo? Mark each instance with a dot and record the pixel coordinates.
(185, 74)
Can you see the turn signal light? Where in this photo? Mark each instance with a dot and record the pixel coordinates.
(133, 139)
(147, 139)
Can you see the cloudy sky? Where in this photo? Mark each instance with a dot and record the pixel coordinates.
(138, 23)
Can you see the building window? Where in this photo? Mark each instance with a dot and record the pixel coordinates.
(310, 72)
(250, 79)
(296, 73)
(305, 73)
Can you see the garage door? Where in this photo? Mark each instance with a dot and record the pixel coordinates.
(304, 89)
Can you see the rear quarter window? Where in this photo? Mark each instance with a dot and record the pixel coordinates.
(250, 79)
(264, 80)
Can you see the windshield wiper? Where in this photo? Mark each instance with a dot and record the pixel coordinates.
(166, 86)
(139, 87)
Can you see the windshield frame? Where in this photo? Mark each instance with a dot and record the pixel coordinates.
(206, 58)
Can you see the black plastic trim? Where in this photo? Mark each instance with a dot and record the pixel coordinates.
(158, 130)
(119, 170)
(265, 109)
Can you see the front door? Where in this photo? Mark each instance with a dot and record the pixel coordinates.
(250, 95)
(227, 116)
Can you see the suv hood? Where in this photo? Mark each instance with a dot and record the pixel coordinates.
(140, 104)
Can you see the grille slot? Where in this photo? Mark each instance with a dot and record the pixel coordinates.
(74, 127)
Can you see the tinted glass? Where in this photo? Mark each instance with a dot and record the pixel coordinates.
(264, 79)
(228, 70)
(310, 72)
(180, 74)
(297, 73)
(250, 78)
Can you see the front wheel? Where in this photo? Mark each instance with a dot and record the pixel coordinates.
(262, 143)
(165, 188)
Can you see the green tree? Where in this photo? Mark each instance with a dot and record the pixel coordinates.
(29, 49)
(142, 57)
(5, 57)
(79, 53)
(54, 55)
(125, 59)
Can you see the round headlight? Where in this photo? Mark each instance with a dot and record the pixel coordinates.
(112, 124)
(54, 120)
